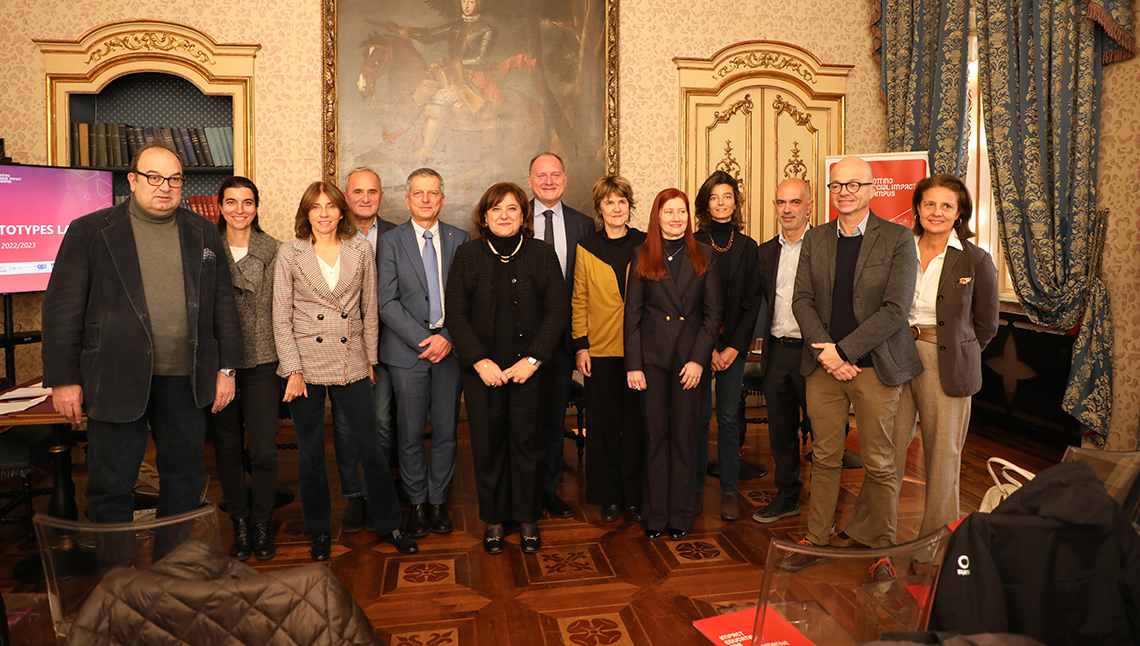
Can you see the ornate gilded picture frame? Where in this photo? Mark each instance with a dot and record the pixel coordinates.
(471, 88)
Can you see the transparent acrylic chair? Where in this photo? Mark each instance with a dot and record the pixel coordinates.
(76, 555)
(834, 601)
(1118, 472)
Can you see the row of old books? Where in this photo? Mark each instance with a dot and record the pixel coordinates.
(106, 145)
(204, 205)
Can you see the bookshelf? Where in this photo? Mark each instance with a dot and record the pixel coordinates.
(151, 73)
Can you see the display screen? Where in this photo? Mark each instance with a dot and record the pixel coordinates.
(37, 204)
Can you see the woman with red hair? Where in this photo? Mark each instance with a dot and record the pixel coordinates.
(672, 314)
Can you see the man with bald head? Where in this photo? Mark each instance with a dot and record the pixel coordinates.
(854, 289)
(141, 333)
(783, 347)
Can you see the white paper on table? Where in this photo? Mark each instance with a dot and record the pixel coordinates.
(9, 407)
(35, 390)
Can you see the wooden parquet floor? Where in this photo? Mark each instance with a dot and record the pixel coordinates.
(592, 583)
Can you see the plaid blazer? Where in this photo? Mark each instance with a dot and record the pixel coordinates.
(328, 335)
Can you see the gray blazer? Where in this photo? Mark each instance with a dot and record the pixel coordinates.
(253, 289)
(967, 310)
(401, 287)
(885, 275)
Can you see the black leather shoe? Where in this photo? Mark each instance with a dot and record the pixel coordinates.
(652, 534)
(493, 540)
(321, 547)
(556, 506)
(531, 541)
(678, 534)
(353, 520)
(242, 546)
(263, 547)
(610, 513)
(403, 542)
(633, 512)
(418, 522)
(439, 519)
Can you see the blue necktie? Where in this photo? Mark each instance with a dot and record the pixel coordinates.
(431, 270)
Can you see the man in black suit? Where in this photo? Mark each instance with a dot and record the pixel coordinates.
(563, 227)
(363, 192)
(783, 347)
(141, 332)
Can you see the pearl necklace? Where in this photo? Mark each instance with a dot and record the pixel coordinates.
(506, 258)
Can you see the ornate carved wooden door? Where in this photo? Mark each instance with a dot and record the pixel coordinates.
(762, 111)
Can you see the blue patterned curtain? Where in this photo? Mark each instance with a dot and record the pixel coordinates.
(1040, 64)
(923, 48)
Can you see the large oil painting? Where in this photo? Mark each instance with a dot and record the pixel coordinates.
(471, 88)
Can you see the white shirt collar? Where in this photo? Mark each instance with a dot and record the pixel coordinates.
(540, 208)
(420, 230)
(954, 240)
(784, 242)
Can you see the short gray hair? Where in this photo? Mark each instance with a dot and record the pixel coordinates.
(422, 172)
(362, 169)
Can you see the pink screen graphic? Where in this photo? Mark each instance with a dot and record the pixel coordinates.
(37, 204)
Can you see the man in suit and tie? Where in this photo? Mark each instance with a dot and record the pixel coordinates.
(563, 227)
(414, 260)
(854, 288)
(782, 354)
(363, 192)
(141, 333)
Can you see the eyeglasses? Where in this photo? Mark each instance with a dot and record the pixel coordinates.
(154, 179)
(852, 187)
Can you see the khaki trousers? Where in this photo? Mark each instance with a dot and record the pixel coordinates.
(945, 421)
(828, 402)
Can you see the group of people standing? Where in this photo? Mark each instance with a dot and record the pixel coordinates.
(377, 317)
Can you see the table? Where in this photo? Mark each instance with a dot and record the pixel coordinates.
(62, 501)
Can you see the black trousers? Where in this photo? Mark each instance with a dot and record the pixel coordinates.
(508, 442)
(615, 443)
(785, 392)
(553, 417)
(671, 418)
(256, 404)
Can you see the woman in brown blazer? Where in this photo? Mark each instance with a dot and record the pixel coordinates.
(507, 310)
(672, 314)
(326, 326)
(953, 318)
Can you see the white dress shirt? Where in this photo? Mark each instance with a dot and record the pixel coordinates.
(783, 321)
(559, 229)
(923, 312)
(439, 263)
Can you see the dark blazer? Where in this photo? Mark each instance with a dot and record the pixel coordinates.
(96, 329)
(664, 319)
(578, 226)
(542, 307)
(401, 285)
(743, 298)
(967, 310)
(885, 274)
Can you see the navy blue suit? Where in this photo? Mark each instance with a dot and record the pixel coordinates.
(420, 386)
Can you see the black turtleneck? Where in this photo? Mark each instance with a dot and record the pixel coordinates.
(722, 236)
(504, 246)
(674, 256)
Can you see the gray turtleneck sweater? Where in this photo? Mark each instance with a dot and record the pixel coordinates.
(160, 260)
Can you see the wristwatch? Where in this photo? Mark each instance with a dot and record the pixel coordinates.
(532, 361)
(229, 372)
